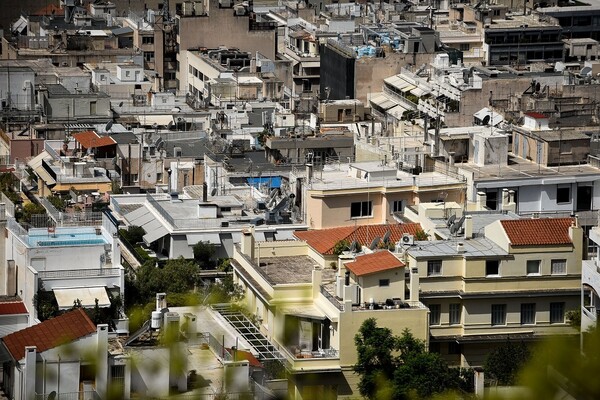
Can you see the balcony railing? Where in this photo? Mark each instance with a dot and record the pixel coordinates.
(332, 299)
(88, 395)
(79, 273)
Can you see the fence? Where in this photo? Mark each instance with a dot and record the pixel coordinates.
(88, 395)
(10, 206)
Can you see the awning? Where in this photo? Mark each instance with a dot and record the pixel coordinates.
(154, 232)
(420, 91)
(397, 111)
(86, 295)
(209, 237)
(160, 120)
(45, 176)
(303, 311)
(397, 82)
(37, 160)
(382, 101)
(408, 88)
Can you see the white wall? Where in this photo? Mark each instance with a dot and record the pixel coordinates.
(150, 372)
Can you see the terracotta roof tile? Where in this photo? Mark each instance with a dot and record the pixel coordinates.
(50, 333)
(536, 115)
(12, 308)
(374, 262)
(538, 232)
(90, 139)
(323, 240)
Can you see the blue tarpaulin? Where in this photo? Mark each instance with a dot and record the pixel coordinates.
(271, 182)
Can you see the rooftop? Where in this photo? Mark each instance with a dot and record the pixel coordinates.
(375, 262)
(51, 333)
(12, 306)
(538, 231)
(473, 248)
(324, 240)
(291, 270)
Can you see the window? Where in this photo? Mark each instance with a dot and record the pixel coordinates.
(128, 73)
(361, 209)
(455, 314)
(92, 108)
(498, 314)
(397, 206)
(159, 177)
(149, 56)
(384, 282)
(527, 313)
(435, 313)
(557, 313)
(492, 268)
(102, 77)
(434, 267)
(533, 267)
(134, 177)
(558, 267)
(148, 40)
(464, 47)
(563, 194)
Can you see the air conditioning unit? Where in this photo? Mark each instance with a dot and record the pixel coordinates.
(408, 240)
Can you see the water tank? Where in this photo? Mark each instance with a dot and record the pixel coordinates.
(156, 319)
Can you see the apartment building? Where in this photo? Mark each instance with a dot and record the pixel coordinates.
(309, 313)
(367, 193)
(503, 278)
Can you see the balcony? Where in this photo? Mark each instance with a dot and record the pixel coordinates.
(310, 360)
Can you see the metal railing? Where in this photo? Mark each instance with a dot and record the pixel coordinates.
(217, 348)
(10, 206)
(332, 299)
(88, 395)
(79, 273)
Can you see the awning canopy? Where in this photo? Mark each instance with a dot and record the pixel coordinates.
(153, 227)
(86, 295)
(154, 231)
(303, 311)
(418, 91)
(37, 160)
(160, 120)
(397, 111)
(45, 176)
(382, 101)
(208, 237)
(408, 88)
(397, 82)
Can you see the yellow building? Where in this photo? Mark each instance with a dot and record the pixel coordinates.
(311, 312)
(497, 277)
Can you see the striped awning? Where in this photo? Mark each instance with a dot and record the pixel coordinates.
(382, 101)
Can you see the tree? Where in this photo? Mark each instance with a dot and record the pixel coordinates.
(203, 254)
(341, 246)
(504, 362)
(180, 275)
(375, 365)
(58, 203)
(399, 367)
(31, 209)
(420, 234)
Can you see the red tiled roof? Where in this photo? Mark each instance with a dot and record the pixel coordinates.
(90, 139)
(12, 308)
(374, 262)
(536, 115)
(323, 240)
(50, 333)
(50, 9)
(538, 231)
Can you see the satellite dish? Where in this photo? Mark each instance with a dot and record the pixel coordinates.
(457, 225)
(354, 246)
(386, 237)
(213, 192)
(108, 126)
(451, 220)
(486, 120)
(121, 104)
(374, 243)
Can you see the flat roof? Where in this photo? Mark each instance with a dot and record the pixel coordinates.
(473, 248)
(291, 269)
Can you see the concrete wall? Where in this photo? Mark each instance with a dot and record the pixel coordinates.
(372, 290)
(14, 80)
(150, 372)
(199, 31)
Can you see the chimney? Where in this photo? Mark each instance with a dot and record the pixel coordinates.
(317, 278)
(204, 192)
(414, 284)
(161, 301)
(309, 172)
(481, 200)
(30, 373)
(468, 227)
(511, 205)
(504, 199)
(451, 158)
(102, 360)
(247, 245)
(460, 248)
